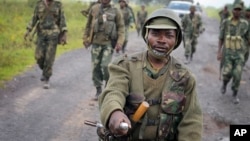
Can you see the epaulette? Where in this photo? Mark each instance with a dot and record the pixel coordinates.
(125, 57)
(177, 72)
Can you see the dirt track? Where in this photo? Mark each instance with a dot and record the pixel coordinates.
(28, 112)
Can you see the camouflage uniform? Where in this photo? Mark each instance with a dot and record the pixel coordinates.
(49, 21)
(247, 17)
(170, 92)
(191, 24)
(103, 25)
(234, 35)
(128, 20)
(141, 17)
(224, 14)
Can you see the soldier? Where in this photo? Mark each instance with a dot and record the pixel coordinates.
(247, 17)
(141, 17)
(156, 79)
(232, 37)
(128, 20)
(50, 24)
(86, 12)
(224, 14)
(192, 25)
(105, 30)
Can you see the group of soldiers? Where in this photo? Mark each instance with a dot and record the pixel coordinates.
(105, 23)
(234, 45)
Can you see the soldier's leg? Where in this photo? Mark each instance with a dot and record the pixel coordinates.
(194, 45)
(40, 51)
(96, 57)
(50, 55)
(97, 74)
(226, 72)
(106, 59)
(188, 49)
(237, 72)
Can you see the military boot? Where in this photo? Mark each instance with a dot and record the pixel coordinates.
(236, 100)
(98, 92)
(224, 87)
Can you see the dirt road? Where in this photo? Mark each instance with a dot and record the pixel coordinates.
(30, 113)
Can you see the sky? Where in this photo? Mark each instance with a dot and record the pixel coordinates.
(219, 3)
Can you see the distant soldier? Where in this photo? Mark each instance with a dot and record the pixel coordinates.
(128, 20)
(192, 25)
(49, 21)
(233, 34)
(224, 14)
(131, 9)
(141, 18)
(86, 12)
(105, 31)
(247, 17)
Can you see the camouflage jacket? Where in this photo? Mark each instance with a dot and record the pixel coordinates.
(104, 24)
(48, 18)
(127, 16)
(141, 16)
(191, 26)
(171, 96)
(229, 28)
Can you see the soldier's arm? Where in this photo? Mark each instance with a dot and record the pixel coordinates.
(34, 20)
(88, 25)
(192, 115)
(62, 19)
(120, 27)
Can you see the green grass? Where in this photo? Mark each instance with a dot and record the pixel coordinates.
(212, 12)
(16, 55)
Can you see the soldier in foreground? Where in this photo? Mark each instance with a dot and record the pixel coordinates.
(151, 91)
(50, 25)
(233, 34)
(105, 32)
(192, 25)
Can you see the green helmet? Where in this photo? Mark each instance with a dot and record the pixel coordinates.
(164, 13)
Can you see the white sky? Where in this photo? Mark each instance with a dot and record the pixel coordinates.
(219, 3)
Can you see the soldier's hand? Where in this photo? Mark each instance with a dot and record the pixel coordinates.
(118, 47)
(219, 55)
(116, 118)
(26, 35)
(86, 43)
(63, 39)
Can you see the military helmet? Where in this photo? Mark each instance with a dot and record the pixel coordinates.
(126, 1)
(164, 13)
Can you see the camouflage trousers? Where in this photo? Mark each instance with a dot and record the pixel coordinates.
(45, 52)
(101, 56)
(246, 55)
(190, 45)
(232, 68)
(126, 40)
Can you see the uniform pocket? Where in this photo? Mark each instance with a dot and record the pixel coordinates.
(173, 103)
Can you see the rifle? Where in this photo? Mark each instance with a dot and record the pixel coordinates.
(105, 135)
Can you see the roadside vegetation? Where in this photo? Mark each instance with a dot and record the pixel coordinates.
(17, 55)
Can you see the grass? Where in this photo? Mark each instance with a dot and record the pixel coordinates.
(16, 55)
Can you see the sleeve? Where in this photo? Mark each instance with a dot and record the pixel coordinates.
(114, 95)
(120, 27)
(34, 19)
(87, 29)
(62, 19)
(190, 128)
(222, 29)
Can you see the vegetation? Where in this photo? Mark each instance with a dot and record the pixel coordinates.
(17, 55)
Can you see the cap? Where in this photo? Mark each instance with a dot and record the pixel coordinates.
(161, 23)
(237, 6)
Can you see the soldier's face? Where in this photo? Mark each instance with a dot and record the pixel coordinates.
(105, 1)
(237, 12)
(162, 40)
